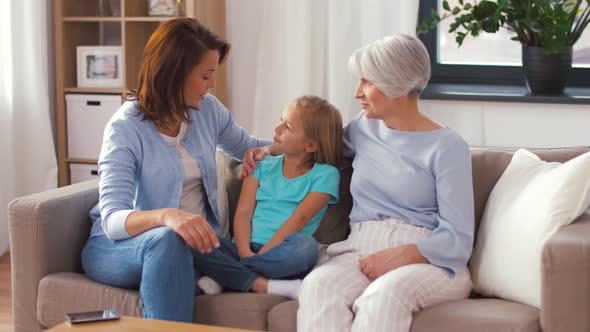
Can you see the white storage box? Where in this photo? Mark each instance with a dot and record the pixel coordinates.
(87, 116)
(83, 172)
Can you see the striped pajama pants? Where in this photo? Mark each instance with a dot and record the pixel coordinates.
(337, 296)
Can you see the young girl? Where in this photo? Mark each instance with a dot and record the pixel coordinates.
(280, 206)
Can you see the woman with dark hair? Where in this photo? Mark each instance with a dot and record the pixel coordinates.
(158, 184)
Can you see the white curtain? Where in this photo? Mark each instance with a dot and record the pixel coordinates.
(26, 142)
(282, 49)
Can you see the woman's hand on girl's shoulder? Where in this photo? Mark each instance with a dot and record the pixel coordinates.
(250, 158)
(193, 229)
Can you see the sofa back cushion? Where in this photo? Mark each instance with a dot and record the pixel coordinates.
(488, 165)
(335, 224)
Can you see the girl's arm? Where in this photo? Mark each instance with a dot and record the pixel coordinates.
(243, 216)
(307, 209)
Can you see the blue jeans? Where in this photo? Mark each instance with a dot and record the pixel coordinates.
(292, 258)
(157, 261)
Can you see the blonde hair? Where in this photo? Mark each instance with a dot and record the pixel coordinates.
(322, 124)
(398, 65)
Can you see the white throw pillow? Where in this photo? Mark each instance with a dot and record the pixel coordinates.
(531, 200)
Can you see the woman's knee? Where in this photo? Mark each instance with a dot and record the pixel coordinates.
(400, 286)
(165, 241)
(309, 286)
(392, 287)
(317, 279)
(115, 267)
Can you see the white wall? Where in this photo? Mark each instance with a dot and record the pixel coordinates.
(503, 124)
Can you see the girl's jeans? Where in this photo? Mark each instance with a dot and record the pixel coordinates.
(293, 258)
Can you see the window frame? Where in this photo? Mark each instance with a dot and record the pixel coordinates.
(480, 74)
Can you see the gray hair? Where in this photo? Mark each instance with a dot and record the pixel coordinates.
(398, 65)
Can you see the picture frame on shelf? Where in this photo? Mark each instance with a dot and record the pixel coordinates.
(99, 66)
(163, 7)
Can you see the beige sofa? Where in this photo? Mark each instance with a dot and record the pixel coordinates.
(49, 229)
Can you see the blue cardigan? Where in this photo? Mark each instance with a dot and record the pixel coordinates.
(139, 171)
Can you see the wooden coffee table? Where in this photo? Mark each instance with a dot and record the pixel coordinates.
(136, 324)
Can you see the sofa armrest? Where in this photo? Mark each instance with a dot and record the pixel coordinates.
(47, 233)
(565, 279)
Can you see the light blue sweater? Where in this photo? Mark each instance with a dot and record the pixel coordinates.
(422, 178)
(139, 171)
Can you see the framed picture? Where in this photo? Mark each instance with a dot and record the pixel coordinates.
(99, 66)
(162, 7)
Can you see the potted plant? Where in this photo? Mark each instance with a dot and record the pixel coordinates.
(547, 30)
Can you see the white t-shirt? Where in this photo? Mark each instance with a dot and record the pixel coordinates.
(193, 195)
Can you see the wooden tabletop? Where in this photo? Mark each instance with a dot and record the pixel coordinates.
(133, 324)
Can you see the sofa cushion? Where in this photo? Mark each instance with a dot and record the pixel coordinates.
(61, 293)
(457, 316)
(530, 201)
(239, 310)
(283, 317)
(487, 167)
(477, 315)
(335, 225)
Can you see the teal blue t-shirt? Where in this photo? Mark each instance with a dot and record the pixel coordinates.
(277, 197)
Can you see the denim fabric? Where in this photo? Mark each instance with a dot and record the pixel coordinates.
(158, 262)
(293, 258)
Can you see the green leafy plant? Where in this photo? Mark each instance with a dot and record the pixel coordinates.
(552, 24)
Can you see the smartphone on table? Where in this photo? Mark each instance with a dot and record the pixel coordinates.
(92, 316)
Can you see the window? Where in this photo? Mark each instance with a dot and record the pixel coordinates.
(488, 58)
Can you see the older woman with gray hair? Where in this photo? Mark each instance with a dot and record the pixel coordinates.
(412, 218)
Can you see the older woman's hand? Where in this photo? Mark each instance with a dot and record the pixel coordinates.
(250, 159)
(381, 262)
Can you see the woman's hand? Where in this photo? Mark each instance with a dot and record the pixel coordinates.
(381, 262)
(250, 158)
(194, 229)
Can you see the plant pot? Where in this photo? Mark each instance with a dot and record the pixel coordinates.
(546, 73)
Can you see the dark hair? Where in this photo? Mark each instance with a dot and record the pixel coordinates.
(323, 124)
(169, 56)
